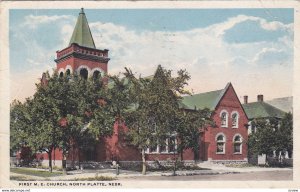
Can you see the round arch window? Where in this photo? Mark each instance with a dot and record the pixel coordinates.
(237, 144)
(220, 144)
(68, 72)
(84, 73)
(96, 74)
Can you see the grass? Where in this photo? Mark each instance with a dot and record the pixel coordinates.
(96, 178)
(33, 172)
(20, 178)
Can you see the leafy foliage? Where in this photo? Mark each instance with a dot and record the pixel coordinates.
(156, 114)
(64, 112)
(271, 135)
(191, 124)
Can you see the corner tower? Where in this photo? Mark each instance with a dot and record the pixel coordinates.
(82, 56)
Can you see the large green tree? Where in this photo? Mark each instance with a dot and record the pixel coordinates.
(19, 123)
(156, 114)
(63, 113)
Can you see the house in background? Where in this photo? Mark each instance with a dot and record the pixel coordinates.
(266, 111)
(260, 110)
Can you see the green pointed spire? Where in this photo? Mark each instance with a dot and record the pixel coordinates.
(82, 34)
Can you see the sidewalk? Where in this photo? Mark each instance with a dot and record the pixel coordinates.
(212, 169)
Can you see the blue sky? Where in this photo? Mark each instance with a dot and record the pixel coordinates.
(216, 46)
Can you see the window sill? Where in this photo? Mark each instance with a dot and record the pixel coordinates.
(220, 153)
(224, 126)
(235, 127)
(237, 153)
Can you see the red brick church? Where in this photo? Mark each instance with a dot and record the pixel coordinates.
(223, 142)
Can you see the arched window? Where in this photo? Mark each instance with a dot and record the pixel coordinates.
(224, 118)
(84, 73)
(221, 140)
(237, 144)
(61, 74)
(235, 119)
(96, 74)
(68, 72)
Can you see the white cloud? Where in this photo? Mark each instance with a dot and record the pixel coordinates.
(33, 21)
(220, 28)
(211, 61)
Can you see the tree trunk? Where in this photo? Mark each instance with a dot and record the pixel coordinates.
(64, 164)
(78, 153)
(144, 162)
(50, 159)
(196, 154)
(181, 155)
(175, 162)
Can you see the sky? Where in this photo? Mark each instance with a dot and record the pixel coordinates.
(251, 48)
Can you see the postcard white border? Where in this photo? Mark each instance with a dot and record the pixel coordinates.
(5, 87)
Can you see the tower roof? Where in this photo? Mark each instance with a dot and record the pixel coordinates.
(82, 34)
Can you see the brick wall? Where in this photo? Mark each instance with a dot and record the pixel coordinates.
(230, 103)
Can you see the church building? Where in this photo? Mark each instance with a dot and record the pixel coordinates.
(224, 142)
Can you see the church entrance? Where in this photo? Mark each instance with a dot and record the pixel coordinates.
(89, 154)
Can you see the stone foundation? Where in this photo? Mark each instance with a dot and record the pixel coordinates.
(229, 162)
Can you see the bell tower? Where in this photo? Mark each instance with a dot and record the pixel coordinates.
(81, 55)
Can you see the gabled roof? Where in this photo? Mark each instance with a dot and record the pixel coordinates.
(204, 100)
(285, 103)
(262, 110)
(82, 34)
(201, 100)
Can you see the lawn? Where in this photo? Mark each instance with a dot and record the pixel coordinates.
(33, 172)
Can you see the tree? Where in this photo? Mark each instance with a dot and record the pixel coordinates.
(64, 112)
(192, 123)
(19, 123)
(271, 135)
(155, 114)
(285, 133)
(81, 112)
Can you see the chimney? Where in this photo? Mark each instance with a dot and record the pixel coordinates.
(260, 98)
(245, 99)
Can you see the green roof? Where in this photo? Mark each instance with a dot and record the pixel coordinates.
(262, 110)
(82, 34)
(202, 100)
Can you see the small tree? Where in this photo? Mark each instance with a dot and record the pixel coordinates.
(265, 139)
(285, 133)
(192, 123)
